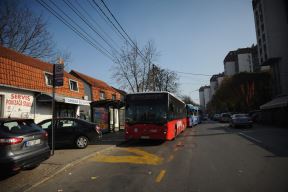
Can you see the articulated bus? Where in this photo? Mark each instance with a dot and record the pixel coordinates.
(154, 115)
(192, 115)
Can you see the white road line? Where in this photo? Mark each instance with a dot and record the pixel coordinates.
(251, 138)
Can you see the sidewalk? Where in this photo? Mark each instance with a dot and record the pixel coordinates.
(62, 160)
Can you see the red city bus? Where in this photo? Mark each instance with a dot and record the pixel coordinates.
(154, 115)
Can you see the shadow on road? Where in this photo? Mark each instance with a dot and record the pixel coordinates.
(140, 143)
(272, 139)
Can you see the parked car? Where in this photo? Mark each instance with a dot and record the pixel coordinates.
(240, 120)
(23, 144)
(225, 117)
(255, 115)
(71, 131)
(216, 117)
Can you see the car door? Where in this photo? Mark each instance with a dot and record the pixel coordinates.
(47, 126)
(65, 131)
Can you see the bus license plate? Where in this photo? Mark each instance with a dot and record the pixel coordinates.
(145, 137)
(32, 142)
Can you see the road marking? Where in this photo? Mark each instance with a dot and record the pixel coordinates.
(141, 157)
(160, 176)
(251, 138)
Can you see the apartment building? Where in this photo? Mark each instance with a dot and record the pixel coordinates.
(271, 24)
(215, 82)
(241, 60)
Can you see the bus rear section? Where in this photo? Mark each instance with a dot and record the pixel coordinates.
(155, 115)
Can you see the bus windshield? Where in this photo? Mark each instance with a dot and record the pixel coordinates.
(148, 112)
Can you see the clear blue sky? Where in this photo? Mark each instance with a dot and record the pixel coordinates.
(191, 35)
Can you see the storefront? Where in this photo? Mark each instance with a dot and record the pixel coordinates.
(108, 114)
(64, 107)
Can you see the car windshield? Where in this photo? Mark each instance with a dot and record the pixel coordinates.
(146, 113)
(19, 126)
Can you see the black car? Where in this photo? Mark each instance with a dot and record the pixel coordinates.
(71, 131)
(23, 144)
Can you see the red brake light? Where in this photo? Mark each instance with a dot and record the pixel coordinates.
(10, 141)
(45, 134)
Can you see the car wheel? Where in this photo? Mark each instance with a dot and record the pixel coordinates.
(81, 142)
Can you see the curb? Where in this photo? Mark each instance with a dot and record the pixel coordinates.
(67, 166)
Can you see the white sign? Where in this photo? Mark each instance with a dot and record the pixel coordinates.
(18, 105)
(76, 101)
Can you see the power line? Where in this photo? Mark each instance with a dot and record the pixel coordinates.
(104, 18)
(102, 11)
(79, 27)
(73, 28)
(98, 25)
(122, 28)
(196, 74)
(84, 19)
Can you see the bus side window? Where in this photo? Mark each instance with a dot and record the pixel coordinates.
(171, 111)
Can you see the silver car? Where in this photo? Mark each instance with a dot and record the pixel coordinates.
(238, 120)
(23, 144)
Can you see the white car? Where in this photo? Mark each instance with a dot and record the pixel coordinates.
(238, 120)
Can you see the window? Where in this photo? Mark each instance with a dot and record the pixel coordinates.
(48, 79)
(113, 97)
(102, 95)
(19, 127)
(263, 37)
(66, 123)
(73, 85)
(46, 125)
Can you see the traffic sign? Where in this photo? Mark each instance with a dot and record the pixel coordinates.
(58, 70)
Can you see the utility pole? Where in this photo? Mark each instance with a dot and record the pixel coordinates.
(58, 73)
(153, 71)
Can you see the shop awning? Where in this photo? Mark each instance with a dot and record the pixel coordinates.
(46, 97)
(276, 103)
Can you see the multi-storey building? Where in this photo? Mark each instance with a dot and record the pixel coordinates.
(207, 95)
(201, 97)
(241, 60)
(215, 82)
(271, 23)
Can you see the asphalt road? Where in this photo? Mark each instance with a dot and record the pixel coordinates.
(208, 157)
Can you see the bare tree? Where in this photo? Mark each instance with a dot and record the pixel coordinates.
(135, 70)
(187, 99)
(133, 66)
(24, 31)
(165, 80)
